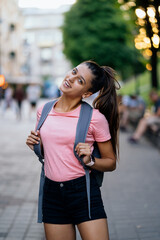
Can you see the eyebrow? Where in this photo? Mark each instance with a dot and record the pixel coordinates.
(80, 75)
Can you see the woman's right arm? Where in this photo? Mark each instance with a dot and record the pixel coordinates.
(32, 139)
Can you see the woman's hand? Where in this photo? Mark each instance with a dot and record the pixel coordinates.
(107, 161)
(33, 138)
(84, 149)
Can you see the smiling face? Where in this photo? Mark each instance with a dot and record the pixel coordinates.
(77, 82)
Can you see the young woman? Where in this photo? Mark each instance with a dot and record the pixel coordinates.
(65, 198)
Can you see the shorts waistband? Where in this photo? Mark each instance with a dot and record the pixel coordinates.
(67, 183)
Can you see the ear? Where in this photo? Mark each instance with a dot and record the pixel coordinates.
(86, 95)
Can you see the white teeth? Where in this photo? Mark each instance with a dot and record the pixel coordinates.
(67, 84)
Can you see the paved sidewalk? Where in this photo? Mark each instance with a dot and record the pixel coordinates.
(19, 176)
(131, 193)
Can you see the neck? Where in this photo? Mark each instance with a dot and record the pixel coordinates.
(67, 104)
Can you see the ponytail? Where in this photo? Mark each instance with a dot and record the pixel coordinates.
(106, 102)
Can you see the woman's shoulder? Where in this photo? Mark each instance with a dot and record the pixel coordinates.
(97, 116)
(99, 126)
(39, 109)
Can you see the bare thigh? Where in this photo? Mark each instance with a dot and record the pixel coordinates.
(94, 230)
(60, 231)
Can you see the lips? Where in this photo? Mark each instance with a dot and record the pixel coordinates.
(66, 84)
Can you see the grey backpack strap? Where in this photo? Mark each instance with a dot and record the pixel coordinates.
(46, 109)
(40, 197)
(81, 133)
(37, 149)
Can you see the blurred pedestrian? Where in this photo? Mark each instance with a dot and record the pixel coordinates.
(121, 108)
(33, 92)
(148, 120)
(132, 109)
(19, 96)
(8, 98)
(51, 90)
(65, 199)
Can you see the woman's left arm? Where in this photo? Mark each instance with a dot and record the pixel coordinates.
(107, 162)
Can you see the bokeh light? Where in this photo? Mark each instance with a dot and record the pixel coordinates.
(140, 13)
(155, 40)
(2, 80)
(151, 12)
(5, 86)
(148, 52)
(149, 67)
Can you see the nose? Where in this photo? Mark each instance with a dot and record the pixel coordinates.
(71, 79)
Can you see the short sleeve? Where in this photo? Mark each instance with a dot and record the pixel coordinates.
(100, 127)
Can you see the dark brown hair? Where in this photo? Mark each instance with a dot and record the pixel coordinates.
(106, 102)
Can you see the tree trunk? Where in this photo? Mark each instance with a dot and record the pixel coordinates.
(154, 78)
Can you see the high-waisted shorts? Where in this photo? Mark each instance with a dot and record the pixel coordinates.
(67, 203)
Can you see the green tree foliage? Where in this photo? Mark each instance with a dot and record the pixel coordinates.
(97, 30)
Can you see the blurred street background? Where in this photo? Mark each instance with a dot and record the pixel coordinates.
(39, 42)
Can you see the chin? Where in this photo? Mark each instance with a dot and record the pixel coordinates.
(63, 90)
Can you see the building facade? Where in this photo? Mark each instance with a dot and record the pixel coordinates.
(31, 48)
(11, 40)
(43, 44)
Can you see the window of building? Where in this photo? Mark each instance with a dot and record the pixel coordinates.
(12, 27)
(46, 54)
(12, 55)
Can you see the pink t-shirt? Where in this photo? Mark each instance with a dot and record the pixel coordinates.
(58, 136)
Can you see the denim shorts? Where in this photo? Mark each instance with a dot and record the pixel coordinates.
(66, 202)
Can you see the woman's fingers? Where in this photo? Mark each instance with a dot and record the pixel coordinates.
(82, 145)
(83, 149)
(85, 152)
(33, 138)
(35, 135)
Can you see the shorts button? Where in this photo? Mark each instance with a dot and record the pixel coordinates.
(61, 184)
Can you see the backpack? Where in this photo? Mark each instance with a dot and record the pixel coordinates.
(81, 133)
